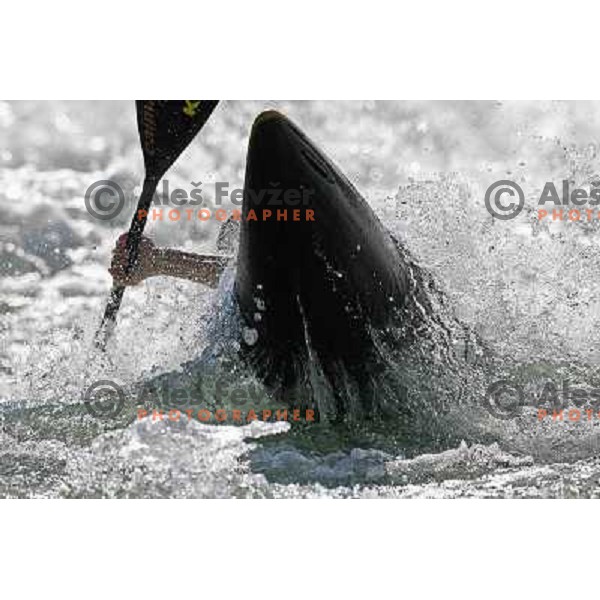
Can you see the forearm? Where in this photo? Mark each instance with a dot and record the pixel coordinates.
(186, 265)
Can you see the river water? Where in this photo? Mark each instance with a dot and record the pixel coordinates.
(527, 289)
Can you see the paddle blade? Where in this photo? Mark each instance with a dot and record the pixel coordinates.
(166, 127)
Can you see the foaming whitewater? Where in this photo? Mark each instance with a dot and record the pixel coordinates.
(515, 300)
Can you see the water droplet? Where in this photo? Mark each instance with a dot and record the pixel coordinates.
(250, 335)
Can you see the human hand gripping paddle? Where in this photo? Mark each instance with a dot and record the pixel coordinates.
(166, 127)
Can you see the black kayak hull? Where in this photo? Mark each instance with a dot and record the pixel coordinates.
(314, 283)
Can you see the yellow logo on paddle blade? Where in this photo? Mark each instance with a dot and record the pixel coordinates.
(190, 107)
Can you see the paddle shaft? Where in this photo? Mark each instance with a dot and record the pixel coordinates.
(166, 128)
(134, 236)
